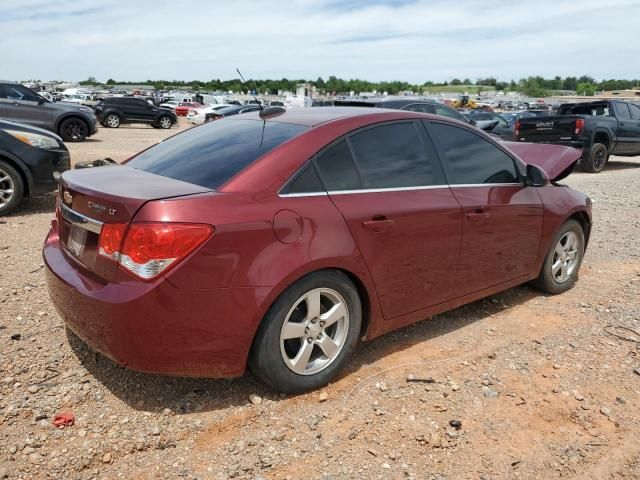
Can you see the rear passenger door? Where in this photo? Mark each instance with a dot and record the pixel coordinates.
(502, 217)
(634, 129)
(626, 130)
(388, 184)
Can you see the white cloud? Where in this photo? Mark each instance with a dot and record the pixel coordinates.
(375, 40)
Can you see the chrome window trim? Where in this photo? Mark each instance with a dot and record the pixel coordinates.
(396, 189)
(465, 185)
(391, 189)
(306, 194)
(80, 220)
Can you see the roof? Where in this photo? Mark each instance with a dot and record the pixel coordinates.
(313, 116)
(396, 101)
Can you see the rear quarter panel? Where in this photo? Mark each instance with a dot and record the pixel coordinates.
(245, 252)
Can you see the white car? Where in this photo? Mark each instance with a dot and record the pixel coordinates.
(171, 105)
(197, 116)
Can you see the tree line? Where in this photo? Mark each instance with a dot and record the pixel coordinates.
(534, 86)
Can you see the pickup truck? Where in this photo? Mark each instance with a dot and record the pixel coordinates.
(599, 129)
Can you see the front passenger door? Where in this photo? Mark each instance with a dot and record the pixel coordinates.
(20, 104)
(501, 217)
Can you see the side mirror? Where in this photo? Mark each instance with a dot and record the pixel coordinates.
(41, 101)
(472, 122)
(536, 177)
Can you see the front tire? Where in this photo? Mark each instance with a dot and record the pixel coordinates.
(595, 159)
(308, 334)
(562, 263)
(11, 188)
(73, 130)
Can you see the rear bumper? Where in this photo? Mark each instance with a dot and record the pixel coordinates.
(154, 327)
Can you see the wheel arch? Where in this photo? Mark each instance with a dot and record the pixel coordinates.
(364, 293)
(22, 170)
(585, 222)
(69, 115)
(604, 137)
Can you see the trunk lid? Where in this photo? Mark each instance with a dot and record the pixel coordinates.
(548, 129)
(557, 161)
(92, 197)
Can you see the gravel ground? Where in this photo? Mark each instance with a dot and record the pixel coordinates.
(520, 385)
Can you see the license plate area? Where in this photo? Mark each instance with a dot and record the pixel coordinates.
(76, 240)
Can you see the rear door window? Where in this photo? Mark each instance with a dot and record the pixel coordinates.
(449, 112)
(635, 111)
(472, 159)
(622, 111)
(213, 153)
(394, 156)
(336, 167)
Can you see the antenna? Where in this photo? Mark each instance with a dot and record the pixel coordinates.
(254, 97)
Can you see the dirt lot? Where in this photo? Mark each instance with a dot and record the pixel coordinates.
(543, 387)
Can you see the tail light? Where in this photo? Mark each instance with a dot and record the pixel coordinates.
(579, 126)
(517, 128)
(147, 250)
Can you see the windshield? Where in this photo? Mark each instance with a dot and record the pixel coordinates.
(211, 154)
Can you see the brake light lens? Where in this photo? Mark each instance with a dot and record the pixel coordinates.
(579, 126)
(147, 250)
(517, 128)
(111, 238)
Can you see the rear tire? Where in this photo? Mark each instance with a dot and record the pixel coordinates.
(73, 130)
(308, 334)
(561, 265)
(165, 122)
(112, 120)
(595, 159)
(11, 188)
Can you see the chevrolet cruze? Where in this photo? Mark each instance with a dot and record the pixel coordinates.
(277, 240)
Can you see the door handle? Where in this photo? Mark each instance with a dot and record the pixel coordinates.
(378, 223)
(478, 215)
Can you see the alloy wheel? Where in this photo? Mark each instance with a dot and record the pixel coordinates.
(565, 257)
(314, 331)
(75, 129)
(599, 159)
(113, 121)
(165, 122)
(7, 188)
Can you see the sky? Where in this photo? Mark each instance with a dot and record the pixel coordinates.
(375, 40)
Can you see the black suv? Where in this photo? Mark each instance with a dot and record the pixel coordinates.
(31, 162)
(112, 111)
(72, 122)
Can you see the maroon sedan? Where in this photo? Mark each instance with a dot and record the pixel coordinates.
(278, 240)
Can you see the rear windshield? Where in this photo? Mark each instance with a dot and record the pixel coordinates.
(211, 154)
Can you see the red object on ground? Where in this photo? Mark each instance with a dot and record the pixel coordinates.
(65, 419)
